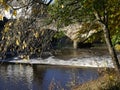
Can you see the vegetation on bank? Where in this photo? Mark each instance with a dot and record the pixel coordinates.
(110, 80)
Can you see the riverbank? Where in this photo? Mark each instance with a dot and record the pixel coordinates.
(110, 80)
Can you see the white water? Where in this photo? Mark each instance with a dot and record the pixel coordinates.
(102, 61)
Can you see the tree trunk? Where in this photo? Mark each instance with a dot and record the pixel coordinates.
(111, 48)
(104, 25)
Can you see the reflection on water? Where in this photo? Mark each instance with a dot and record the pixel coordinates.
(39, 77)
(67, 54)
(13, 77)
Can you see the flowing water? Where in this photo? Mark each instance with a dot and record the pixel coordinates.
(55, 72)
(71, 57)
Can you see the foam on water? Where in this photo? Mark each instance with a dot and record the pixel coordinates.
(80, 62)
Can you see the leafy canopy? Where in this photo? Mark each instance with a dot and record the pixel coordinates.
(65, 12)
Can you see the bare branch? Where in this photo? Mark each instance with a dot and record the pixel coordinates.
(16, 8)
(97, 15)
(49, 2)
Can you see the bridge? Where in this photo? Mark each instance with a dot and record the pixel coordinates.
(77, 32)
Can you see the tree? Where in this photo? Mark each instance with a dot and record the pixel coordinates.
(23, 33)
(102, 12)
(106, 26)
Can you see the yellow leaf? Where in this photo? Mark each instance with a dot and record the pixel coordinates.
(117, 47)
(62, 6)
(8, 38)
(36, 34)
(7, 8)
(26, 57)
(1, 1)
(42, 33)
(31, 48)
(21, 56)
(24, 44)
(17, 42)
(19, 33)
(2, 37)
(7, 43)
(23, 47)
(14, 12)
(6, 29)
(1, 17)
(111, 77)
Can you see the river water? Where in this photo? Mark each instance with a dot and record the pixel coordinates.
(62, 70)
(43, 77)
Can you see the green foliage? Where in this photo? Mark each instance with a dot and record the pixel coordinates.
(96, 37)
(116, 39)
(59, 34)
(65, 12)
(57, 14)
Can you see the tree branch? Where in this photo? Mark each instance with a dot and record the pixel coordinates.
(49, 2)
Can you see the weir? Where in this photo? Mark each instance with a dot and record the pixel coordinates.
(74, 58)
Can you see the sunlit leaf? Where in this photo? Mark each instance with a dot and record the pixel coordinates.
(36, 34)
(23, 47)
(24, 44)
(17, 42)
(3, 37)
(15, 12)
(26, 57)
(6, 29)
(8, 38)
(7, 8)
(1, 1)
(62, 6)
(1, 17)
(7, 43)
(31, 48)
(19, 33)
(42, 33)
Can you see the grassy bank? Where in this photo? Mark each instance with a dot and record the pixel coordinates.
(107, 81)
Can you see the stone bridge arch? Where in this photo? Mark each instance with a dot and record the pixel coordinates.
(77, 32)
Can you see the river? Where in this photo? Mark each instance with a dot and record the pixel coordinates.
(43, 77)
(62, 70)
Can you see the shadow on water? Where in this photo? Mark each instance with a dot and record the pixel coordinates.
(41, 77)
(67, 54)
